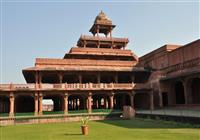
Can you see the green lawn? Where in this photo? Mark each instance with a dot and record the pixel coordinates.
(136, 129)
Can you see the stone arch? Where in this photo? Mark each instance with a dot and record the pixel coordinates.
(195, 90)
(122, 99)
(24, 103)
(179, 92)
(4, 104)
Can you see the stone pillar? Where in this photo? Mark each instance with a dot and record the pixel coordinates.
(36, 80)
(111, 101)
(132, 100)
(151, 100)
(98, 78)
(80, 78)
(84, 44)
(105, 102)
(40, 103)
(160, 99)
(40, 78)
(98, 30)
(132, 78)
(90, 103)
(36, 104)
(116, 78)
(185, 93)
(66, 103)
(12, 104)
(110, 31)
(36, 77)
(98, 44)
(60, 77)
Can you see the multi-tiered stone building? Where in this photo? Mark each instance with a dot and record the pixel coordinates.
(98, 73)
(101, 73)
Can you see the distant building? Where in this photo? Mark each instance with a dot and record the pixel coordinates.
(100, 73)
(47, 107)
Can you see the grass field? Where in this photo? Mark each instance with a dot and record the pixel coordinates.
(136, 129)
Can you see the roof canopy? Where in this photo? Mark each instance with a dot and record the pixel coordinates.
(102, 24)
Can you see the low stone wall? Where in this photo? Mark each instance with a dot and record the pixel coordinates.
(56, 118)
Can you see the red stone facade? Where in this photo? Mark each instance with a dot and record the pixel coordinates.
(101, 73)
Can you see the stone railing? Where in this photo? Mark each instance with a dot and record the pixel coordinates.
(185, 65)
(75, 86)
(86, 37)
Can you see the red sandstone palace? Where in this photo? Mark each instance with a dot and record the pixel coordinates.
(101, 73)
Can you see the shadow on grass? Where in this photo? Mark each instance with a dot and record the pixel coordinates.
(147, 124)
(73, 134)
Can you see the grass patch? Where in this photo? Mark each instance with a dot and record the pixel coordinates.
(136, 129)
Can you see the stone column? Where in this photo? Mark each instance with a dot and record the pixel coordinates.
(90, 103)
(66, 103)
(151, 100)
(40, 103)
(98, 30)
(36, 77)
(98, 78)
(111, 101)
(110, 31)
(40, 78)
(105, 102)
(84, 44)
(60, 77)
(12, 104)
(80, 78)
(116, 78)
(185, 93)
(132, 100)
(36, 104)
(36, 80)
(132, 78)
(160, 99)
(98, 44)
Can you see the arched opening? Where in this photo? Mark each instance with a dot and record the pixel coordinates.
(24, 103)
(195, 88)
(141, 101)
(100, 101)
(4, 104)
(53, 103)
(179, 92)
(76, 102)
(121, 99)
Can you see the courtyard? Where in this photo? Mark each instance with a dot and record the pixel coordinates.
(135, 129)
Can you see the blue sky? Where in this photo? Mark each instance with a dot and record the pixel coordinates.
(49, 29)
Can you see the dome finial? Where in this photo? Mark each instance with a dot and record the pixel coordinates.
(102, 17)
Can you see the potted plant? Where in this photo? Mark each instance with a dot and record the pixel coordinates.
(84, 126)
